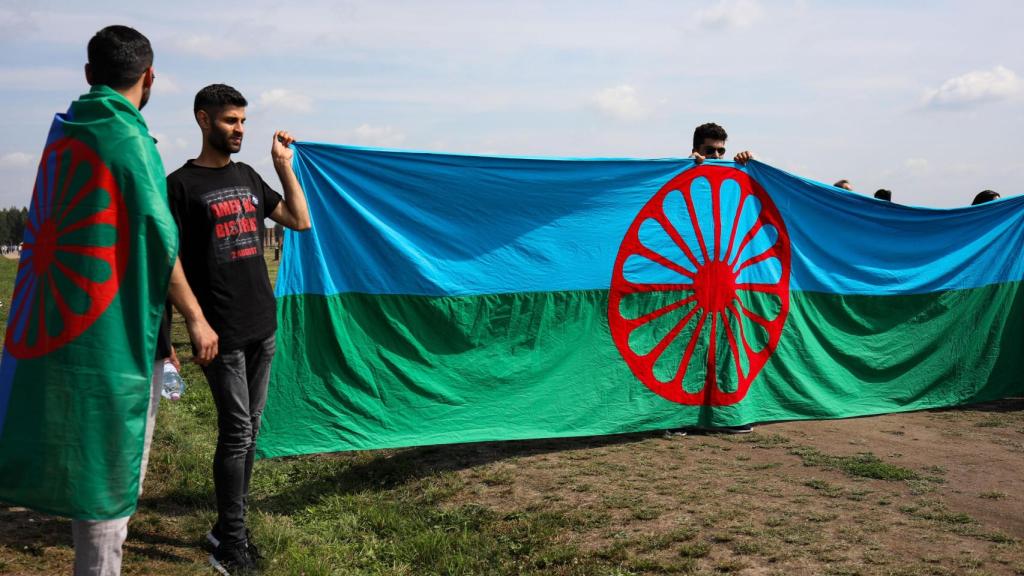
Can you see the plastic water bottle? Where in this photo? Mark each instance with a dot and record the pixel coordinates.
(173, 384)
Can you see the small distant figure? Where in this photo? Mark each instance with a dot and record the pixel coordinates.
(844, 184)
(985, 196)
(883, 194)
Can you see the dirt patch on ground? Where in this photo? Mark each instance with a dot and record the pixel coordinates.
(921, 493)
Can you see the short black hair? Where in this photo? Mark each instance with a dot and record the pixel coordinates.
(709, 130)
(883, 194)
(118, 56)
(985, 196)
(215, 97)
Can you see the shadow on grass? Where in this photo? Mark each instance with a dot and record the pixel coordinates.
(391, 469)
(1004, 405)
(31, 531)
(177, 502)
(158, 547)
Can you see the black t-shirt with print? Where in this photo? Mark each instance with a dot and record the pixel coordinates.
(220, 212)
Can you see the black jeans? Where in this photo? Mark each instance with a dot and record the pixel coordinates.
(238, 380)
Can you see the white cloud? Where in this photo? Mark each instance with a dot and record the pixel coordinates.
(975, 87)
(165, 84)
(369, 135)
(620, 102)
(729, 14)
(282, 99)
(167, 145)
(17, 160)
(213, 48)
(916, 164)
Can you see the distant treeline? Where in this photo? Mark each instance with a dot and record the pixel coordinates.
(12, 225)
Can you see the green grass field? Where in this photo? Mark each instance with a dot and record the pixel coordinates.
(927, 493)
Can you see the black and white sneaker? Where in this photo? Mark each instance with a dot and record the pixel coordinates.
(233, 560)
(213, 538)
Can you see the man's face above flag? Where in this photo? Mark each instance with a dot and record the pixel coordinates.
(712, 149)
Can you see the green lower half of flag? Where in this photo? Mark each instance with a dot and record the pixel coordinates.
(72, 438)
(77, 451)
(359, 371)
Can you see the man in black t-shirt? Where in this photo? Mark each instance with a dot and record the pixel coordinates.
(219, 206)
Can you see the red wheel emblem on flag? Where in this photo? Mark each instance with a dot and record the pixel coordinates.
(74, 254)
(700, 289)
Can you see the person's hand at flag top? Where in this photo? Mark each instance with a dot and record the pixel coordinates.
(741, 158)
(279, 149)
(713, 148)
(293, 212)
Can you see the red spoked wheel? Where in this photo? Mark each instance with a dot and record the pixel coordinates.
(700, 288)
(74, 253)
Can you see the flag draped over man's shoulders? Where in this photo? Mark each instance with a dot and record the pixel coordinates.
(448, 298)
(81, 335)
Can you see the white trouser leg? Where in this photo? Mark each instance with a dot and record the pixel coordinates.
(98, 543)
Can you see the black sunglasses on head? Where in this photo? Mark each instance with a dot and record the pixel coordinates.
(709, 150)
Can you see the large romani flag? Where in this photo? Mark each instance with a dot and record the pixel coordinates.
(444, 298)
(81, 333)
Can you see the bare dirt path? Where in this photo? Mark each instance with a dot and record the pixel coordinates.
(937, 492)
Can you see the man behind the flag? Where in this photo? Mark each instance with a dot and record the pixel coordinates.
(78, 389)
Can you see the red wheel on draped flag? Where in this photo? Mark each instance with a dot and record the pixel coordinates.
(700, 288)
(74, 254)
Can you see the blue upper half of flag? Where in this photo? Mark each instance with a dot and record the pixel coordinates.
(418, 223)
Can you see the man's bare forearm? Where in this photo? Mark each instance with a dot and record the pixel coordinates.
(294, 198)
(204, 339)
(293, 212)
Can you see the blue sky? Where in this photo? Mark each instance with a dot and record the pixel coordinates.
(924, 98)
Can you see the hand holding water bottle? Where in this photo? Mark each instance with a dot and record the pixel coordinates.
(173, 384)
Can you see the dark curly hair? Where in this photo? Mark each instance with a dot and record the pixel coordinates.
(215, 97)
(118, 56)
(985, 196)
(709, 130)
